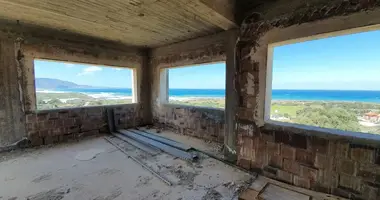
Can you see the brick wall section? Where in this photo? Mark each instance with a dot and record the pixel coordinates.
(330, 166)
(323, 164)
(53, 126)
(198, 122)
(128, 116)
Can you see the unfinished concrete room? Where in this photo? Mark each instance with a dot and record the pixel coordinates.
(190, 99)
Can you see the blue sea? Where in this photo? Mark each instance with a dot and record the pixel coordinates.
(305, 95)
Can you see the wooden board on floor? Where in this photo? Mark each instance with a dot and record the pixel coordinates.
(274, 192)
(248, 194)
(261, 182)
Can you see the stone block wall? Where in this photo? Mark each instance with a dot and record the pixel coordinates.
(331, 166)
(194, 121)
(128, 116)
(53, 126)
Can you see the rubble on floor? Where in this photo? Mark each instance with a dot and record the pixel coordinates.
(104, 172)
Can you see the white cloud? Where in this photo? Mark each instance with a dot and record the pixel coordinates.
(90, 70)
(69, 65)
(117, 69)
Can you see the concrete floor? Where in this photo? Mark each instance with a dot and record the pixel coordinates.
(94, 169)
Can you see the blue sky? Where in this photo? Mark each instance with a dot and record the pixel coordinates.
(82, 74)
(350, 62)
(207, 76)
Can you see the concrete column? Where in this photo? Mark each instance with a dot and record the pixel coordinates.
(12, 117)
(146, 87)
(231, 97)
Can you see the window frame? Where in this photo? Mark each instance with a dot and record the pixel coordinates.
(134, 83)
(164, 85)
(325, 132)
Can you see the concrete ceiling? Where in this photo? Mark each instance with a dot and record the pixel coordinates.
(141, 23)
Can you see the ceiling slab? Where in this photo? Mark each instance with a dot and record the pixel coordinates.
(141, 23)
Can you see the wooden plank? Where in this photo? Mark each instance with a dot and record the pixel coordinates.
(249, 194)
(274, 192)
(262, 181)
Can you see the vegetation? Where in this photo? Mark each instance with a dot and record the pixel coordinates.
(47, 101)
(202, 102)
(336, 118)
(336, 115)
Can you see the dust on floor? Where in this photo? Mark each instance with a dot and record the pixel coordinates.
(94, 169)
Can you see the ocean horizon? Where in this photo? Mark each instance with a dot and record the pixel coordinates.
(280, 94)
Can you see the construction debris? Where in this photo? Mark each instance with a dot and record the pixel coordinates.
(139, 162)
(164, 147)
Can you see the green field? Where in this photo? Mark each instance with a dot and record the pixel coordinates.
(203, 102)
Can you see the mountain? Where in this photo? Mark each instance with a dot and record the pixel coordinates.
(50, 83)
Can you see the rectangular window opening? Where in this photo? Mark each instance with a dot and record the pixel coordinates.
(332, 83)
(72, 85)
(200, 85)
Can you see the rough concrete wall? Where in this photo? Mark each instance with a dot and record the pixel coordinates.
(12, 124)
(53, 126)
(342, 165)
(207, 123)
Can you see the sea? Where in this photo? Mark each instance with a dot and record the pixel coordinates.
(304, 95)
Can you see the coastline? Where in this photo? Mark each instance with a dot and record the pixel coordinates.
(361, 116)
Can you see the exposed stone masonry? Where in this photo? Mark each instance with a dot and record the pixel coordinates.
(330, 166)
(197, 122)
(52, 126)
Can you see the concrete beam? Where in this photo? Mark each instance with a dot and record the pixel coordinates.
(230, 149)
(220, 13)
(191, 52)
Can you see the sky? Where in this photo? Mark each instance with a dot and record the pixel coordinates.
(350, 62)
(206, 76)
(84, 74)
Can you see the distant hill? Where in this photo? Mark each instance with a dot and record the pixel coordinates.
(50, 83)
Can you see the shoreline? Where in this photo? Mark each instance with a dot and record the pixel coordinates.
(116, 95)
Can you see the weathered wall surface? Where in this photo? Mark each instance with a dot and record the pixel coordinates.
(53, 126)
(11, 106)
(207, 123)
(18, 115)
(198, 122)
(342, 165)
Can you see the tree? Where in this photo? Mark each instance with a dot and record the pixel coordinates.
(336, 118)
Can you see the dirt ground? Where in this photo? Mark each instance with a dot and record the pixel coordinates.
(95, 169)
